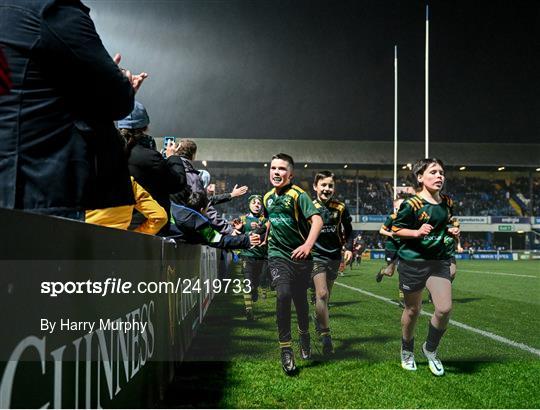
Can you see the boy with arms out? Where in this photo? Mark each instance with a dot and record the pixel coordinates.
(336, 232)
(422, 224)
(295, 225)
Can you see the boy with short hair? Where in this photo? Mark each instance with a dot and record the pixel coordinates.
(391, 245)
(254, 260)
(295, 225)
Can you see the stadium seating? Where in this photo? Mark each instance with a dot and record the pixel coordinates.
(473, 196)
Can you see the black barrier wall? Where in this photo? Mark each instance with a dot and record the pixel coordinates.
(79, 348)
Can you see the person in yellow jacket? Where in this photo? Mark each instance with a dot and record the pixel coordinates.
(120, 216)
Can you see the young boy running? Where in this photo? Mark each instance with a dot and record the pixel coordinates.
(336, 231)
(295, 224)
(422, 224)
(358, 247)
(391, 247)
(254, 260)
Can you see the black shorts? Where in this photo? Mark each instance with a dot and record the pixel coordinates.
(390, 256)
(414, 274)
(453, 260)
(253, 267)
(330, 267)
(287, 271)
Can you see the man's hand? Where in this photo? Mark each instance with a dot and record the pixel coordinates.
(254, 239)
(170, 149)
(238, 191)
(211, 189)
(347, 257)
(424, 230)
(302, 252)
(136, 80)
(237, 224)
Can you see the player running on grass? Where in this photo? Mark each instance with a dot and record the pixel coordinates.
(295, 225)
(391, 247)
(358, 247)
(336, 232)
(422, 224)
(254, 260)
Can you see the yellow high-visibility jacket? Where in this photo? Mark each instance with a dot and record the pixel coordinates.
(120, 216)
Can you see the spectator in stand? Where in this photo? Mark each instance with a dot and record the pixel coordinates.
(187, 150)
(120, 217)
(160, 177)
(59, 150)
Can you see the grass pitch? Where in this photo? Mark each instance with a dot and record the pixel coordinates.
(235, 364)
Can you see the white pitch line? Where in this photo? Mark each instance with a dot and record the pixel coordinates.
(484, 333)
(497, 273)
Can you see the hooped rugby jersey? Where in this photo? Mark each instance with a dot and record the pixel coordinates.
(413, 213)
(288, 212)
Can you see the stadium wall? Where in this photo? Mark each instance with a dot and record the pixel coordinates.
(79, 367)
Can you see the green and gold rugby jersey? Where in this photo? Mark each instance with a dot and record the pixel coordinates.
(391, 244)
(450, 244)
(257, 252)
(336, 230)
(413, 213)
(450, 241)
(288, 213)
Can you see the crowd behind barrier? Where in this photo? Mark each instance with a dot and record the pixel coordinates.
(87, 168)
(74, 368)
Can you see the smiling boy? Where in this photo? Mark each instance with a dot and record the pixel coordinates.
(295, 224)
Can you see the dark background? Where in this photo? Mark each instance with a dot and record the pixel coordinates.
(324, 69)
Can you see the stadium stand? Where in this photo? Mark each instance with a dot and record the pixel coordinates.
(473, 196)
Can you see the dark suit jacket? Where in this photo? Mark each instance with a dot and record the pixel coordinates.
(59, 149)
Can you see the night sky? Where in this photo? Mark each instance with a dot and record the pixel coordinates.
(324, 69)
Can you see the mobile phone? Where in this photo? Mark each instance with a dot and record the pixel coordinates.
(166, 140)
